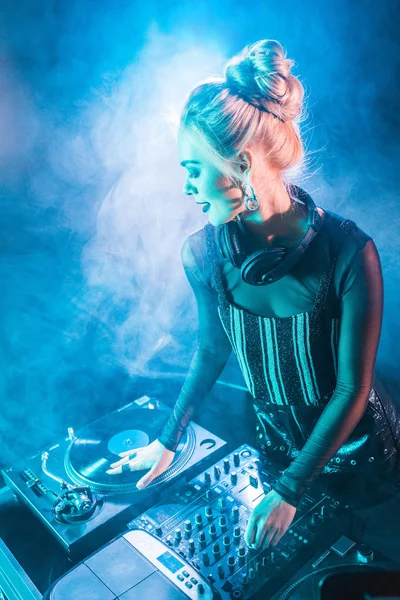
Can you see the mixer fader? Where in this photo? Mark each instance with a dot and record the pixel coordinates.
(203, 522)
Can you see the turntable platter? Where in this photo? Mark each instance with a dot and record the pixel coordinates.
(96, 446)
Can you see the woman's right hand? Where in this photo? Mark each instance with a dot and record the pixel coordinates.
(155, 457)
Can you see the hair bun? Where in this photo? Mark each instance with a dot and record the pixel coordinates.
(261, 76)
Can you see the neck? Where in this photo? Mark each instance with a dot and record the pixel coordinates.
(278, 219)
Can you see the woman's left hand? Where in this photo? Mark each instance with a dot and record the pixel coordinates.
(269, 521)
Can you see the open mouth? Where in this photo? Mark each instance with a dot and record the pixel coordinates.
(206, 206)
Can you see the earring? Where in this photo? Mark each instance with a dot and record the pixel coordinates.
(251, 202)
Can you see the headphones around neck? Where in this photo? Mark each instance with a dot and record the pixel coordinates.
(266, 265)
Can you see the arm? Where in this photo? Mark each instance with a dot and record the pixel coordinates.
(360, 328)
(210, 357)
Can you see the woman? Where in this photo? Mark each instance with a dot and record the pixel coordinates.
(306, 339)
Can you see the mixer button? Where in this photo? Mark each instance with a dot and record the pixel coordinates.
(253, 481)
(217, 472)
(227, 465)
(179, 576)
(228, 587)
(159, 531)
(185, 573)
(236, 459)
(194, 581)
(188, 585)
(234, 478)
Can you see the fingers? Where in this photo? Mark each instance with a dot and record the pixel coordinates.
(126, 464)
(126, 456)
(251, 531)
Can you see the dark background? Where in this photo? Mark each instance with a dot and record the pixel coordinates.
(95, 307)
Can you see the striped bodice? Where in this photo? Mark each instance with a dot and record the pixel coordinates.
(287, 360)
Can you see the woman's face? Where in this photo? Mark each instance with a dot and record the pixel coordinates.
(214, 192)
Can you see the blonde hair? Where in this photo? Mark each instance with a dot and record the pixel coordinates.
(257, 102)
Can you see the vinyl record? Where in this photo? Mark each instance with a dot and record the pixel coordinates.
(98, 445)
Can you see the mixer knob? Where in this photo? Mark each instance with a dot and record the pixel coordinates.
(226, 541)
(188, 525)
(192, 547)
(253, 481)
(220, 571)
(235, 514)
(227, 465)
(236, 459)
(242, 556)
(365, 554)
(234, 478)
(216, 550)
(221, 503)
(223, 524)
(159, 531)
(272, 556)
(169, 540)
(258, 567)
(178, 535)
(264, 562)
(200, 589)
(245, 581)
(202, 539)
(231, 563)
(209, 513)
(198, 519)
(217, 472)
(213, 531)
(207, 478)
(209, 495)
(324, 512)
(252, 573)
(236, 535)
(206, 558)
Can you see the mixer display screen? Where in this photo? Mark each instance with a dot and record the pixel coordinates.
(170, 562)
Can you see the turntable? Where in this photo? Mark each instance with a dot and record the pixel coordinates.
(67, 486)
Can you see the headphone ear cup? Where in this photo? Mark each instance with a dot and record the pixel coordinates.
(230, 243)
